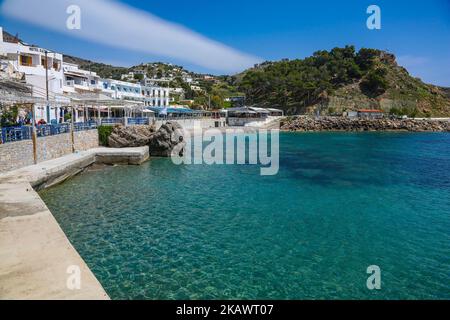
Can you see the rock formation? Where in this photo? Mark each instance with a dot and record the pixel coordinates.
(133, 136)
(304, 123)
(166, 139)
(161, 142)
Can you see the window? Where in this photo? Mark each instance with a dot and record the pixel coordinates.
(44, 62)
(26, 61)
(56, 65)
(93, 82)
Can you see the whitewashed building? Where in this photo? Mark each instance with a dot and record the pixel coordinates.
(122, 90)
(34, 62)
(156, 96)
(77, 80)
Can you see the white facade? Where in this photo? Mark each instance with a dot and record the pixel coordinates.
(156, 96)
(122, 90)
(33, 62)
(77, 80)
(66, 79)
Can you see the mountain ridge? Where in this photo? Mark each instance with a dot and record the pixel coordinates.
(328, 82)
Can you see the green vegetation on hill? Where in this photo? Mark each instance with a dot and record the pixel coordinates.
(103, 70)
(328, 81)
(341, 79)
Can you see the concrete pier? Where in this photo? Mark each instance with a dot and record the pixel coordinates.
(37, 261)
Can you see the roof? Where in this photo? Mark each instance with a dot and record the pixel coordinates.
(172, 110)
(370, 111)
(259, 110)
(241, 110)
(274, 110)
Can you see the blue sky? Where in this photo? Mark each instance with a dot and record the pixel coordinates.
(418, 32)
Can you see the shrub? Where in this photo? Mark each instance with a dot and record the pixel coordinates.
(103, 134)
(375, 83)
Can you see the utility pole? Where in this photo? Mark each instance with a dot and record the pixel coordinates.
(34, 133)
(46, 86)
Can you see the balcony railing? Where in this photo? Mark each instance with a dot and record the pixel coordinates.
(112, 121)
(84, 126)
(138, 121)
(13, 134)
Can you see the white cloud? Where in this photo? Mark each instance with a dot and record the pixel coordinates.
(411, 61)
(115, 24)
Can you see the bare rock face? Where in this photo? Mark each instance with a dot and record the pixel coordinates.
(169, 137)
(161, 143)
(134, 136)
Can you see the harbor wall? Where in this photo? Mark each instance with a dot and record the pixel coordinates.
(15, 155)
(37, 258)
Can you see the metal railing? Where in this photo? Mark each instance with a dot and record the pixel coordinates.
(45, 130)
(112, 121)
(84, 126)
(12, 134)
(138, 121)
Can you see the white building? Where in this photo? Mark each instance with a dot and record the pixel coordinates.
(34, 62)
(77, 80)
(130, 76)
(122, 90)
(156, 96)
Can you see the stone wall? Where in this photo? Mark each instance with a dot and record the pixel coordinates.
(16, 155)
(85, 140)
(19, 154)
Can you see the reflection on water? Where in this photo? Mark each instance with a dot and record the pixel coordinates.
(341, 202)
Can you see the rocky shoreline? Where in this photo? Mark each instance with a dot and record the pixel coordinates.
(160, 142)
(310, 124)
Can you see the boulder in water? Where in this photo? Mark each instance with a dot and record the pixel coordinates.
(169, 137)
(133, 136)
(161, 143)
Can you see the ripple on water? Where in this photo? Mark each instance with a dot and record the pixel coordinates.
(340, 203)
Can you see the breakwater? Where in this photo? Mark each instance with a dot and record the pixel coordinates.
(304, 123)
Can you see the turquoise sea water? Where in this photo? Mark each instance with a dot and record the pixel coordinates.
(340, 203)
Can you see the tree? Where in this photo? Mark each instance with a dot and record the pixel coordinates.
(374, 83)
(216, 102)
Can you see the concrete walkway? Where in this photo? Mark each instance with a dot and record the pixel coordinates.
(37, 261)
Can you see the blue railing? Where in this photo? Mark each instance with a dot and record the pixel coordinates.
(12, 134)
(112, 121)
(83, 126)
(52, 129)
(138, 121)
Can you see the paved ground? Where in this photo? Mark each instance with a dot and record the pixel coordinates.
(37, 261)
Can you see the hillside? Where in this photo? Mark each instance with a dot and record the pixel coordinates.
(342, 79)
(328, 82)
(103, 70)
